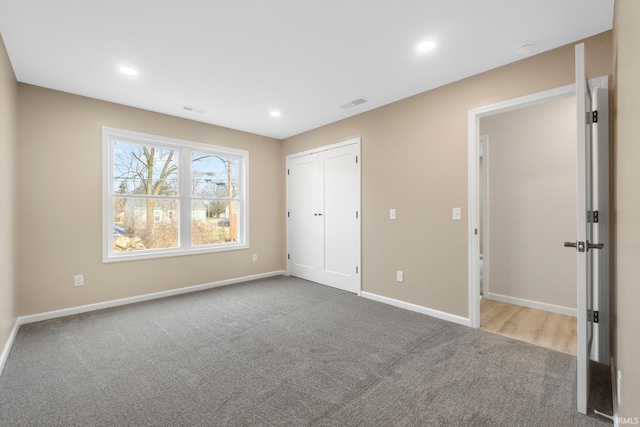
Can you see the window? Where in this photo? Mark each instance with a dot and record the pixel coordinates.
(166, 197)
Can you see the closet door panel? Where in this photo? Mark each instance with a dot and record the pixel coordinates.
(323, 218)
(339, 177)
(305, 225)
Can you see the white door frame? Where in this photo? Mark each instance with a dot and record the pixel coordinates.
(601, 335)
(484, 153)
(357, 143)
(601, 203)
(473, 155)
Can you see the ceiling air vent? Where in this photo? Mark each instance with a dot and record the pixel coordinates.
(354, 103)
(193, 109)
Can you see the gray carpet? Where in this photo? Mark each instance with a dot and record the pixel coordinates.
(279, 352)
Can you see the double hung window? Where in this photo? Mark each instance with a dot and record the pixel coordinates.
(165, 197)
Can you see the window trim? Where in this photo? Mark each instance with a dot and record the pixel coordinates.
(185, 148)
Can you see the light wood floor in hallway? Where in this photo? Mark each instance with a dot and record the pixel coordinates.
(550, 330)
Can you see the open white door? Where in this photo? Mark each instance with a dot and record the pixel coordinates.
(585, 278)
(585, 243)
(592, 214)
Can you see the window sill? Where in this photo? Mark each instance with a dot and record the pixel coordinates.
(166, 253)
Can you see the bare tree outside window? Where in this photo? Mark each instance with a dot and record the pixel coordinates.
(167, 197)
(146, 201)
(214, 208)
(146, 210)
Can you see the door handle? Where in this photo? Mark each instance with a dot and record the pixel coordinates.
(594, 245)
(578, 245)
(581, 246)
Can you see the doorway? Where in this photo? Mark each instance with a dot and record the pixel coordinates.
(601, 339)
(528, 197)
(592, 215)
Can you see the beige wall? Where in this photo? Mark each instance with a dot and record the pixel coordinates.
(8, 140)
(59, 224)
(532, 203)
(627, 202)
(414, 159)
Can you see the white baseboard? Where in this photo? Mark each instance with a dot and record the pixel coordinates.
(7, 347)
(125, 301)
(417, 308)
(131, 300)
(23, 320)
(567, 311)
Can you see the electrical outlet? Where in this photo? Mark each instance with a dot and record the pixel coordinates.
(400, 276)
(255, 257)
(78, 280)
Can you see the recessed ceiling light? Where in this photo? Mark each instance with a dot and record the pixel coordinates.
(275, 114)
(128, 71)
(426, 46)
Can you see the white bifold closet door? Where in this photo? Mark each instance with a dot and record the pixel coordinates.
(323, 216)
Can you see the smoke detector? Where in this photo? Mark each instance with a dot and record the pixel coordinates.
(525, 49)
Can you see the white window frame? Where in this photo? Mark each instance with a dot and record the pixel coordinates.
(184, 148)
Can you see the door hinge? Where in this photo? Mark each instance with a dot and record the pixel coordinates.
(593, 316)
(356, 159)
(288, 214)
(356, 214)
(288, 256)
(593, 216)
(287, 171)
(356, 269)
(594, 117)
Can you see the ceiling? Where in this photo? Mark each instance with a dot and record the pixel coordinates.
(236, 61)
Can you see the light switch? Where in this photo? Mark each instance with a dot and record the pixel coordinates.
(392, 214)
(457, 214)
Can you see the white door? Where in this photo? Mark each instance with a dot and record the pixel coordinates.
(323, 216)
(339, 174)
(589, 192)
(305, 250)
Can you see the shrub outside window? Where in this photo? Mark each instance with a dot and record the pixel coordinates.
(166, 197)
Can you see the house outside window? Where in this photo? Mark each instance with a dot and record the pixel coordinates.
(166, 197)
